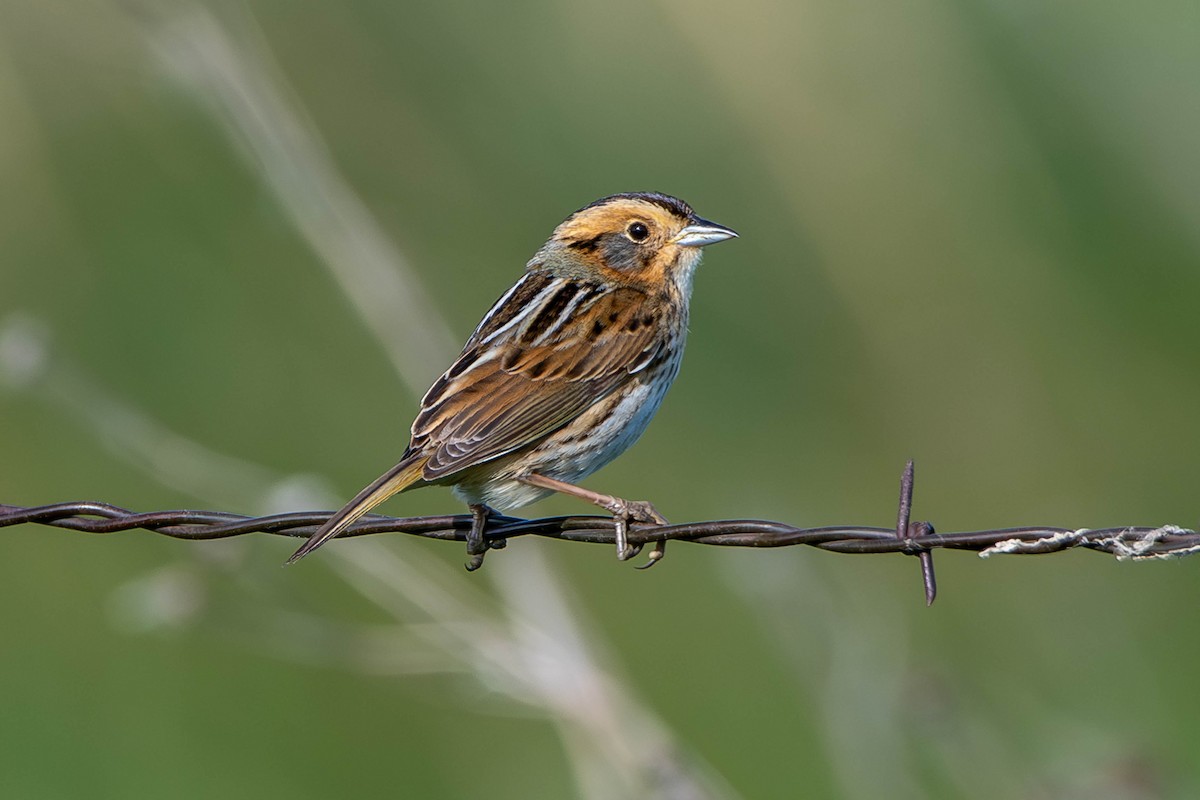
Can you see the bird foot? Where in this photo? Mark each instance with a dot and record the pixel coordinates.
(477, 545)
(623, 511)
(626, 511)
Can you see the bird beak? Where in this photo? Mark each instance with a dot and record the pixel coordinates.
(701, 232)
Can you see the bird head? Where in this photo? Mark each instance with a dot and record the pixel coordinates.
(641, 239)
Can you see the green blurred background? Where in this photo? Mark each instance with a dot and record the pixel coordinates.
(970, 236)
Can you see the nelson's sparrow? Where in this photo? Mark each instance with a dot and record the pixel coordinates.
(564, 372)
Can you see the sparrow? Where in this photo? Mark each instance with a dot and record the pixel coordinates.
(562, 375)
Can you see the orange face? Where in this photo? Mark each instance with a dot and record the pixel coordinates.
(648, 240)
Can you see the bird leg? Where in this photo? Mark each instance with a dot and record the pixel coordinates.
(623, 511)
(477, 546)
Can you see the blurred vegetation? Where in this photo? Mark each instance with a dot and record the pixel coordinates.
(970, 235)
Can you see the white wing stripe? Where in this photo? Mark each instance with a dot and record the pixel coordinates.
(524, 313)
(563, 316)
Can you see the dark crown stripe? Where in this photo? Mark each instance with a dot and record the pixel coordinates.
(672, 204)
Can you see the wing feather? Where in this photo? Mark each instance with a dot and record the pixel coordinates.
(572, 345)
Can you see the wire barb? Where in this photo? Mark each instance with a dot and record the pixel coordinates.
(906, 531)
(907, 537)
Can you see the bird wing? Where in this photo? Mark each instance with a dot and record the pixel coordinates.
(548, 350)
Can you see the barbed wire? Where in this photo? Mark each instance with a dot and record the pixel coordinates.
(915, 538)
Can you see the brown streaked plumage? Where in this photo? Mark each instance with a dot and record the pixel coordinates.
(563, 373)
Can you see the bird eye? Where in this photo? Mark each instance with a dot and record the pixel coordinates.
(638, 231)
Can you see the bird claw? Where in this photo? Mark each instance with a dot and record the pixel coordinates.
(626, 511)
(660, 550)
(477, 545)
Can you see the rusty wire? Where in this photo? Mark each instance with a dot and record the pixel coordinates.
(913, 538)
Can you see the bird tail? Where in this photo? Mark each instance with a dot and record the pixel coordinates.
(396, 479)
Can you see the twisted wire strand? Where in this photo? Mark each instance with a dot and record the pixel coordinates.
(1126, 542)
(914, 538)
